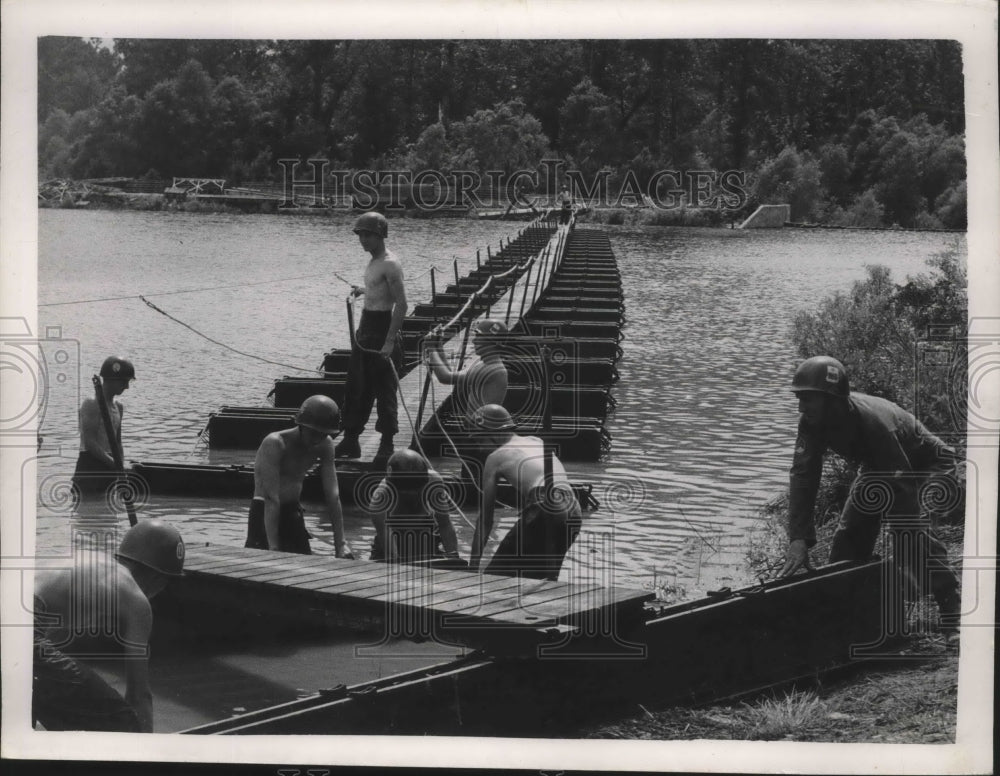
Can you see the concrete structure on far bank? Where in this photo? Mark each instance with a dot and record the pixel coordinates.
(768, 217)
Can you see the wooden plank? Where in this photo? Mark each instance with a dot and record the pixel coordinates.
(292, 578)
(474, 594)
(225, 567)
(368, 571)
(465, 599)
(525, 601)
(476, 588)
(449, 589)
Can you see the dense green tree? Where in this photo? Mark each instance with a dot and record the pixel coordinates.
(73, 74)
(876, 124)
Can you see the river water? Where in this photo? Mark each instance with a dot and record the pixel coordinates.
(704, 424)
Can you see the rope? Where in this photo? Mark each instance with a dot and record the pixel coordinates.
(182, 291)
(224, 345)
(416, 436)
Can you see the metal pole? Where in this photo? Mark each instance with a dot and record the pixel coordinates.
(350, 321)
(478, 264)
(538, 284)
(547, 420)
(423, 398)
(510, 301)
(433, 296)
(468, 329)
(524, 296)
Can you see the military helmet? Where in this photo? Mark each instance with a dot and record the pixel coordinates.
(823, 374)
(490, 327)
(155, 544)
(319, 413)
(491, 417)
(115, 368)
(372, 222)
(407, 470)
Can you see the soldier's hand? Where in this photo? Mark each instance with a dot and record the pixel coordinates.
(796, 557)
(387, 349)
(357, 291)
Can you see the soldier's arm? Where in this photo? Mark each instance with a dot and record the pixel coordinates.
(331, 495)
(394, 279)
(136, 625)
(484, 525)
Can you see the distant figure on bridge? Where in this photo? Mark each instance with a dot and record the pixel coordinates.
(898, 458)
(283, 459)
(377, 348)
(96, 473)
(108, 598)
(410, 511)
(550, 521)
(565, 205)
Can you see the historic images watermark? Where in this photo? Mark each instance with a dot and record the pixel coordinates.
(432, 190)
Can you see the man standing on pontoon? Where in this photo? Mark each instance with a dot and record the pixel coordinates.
(376, 353)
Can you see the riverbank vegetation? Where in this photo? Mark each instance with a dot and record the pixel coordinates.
(851, 133)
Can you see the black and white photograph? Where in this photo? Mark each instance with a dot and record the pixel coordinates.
(527, 386)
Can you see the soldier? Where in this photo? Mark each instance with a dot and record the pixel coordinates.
(550, 517)
(371, 378)
(99, 595)
(896, 453)
(282, 461)
(409, 512)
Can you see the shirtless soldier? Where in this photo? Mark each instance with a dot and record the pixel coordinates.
(101, 596)
(409, 511)
(282, 461)
(370, 375)
(537, 544)
(95, 474)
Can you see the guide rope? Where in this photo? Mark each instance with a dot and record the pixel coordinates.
(228, 347)
(183, 291)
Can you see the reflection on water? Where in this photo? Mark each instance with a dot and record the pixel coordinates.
(704, 423)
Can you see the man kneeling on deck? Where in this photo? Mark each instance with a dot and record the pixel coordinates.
(898, 457)
(550, 517)
(409, 510)
(100, 596)
(283, 459)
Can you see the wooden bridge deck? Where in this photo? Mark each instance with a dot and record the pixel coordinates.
(460, 606)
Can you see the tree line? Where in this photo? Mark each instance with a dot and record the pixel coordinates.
(849, 132)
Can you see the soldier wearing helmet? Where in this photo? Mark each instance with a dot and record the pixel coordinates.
(96, 474)
(897, 456)
(484, 382)
(550, 517)
(410, 514)
(377, 348)
(276, 519)
(100, 596)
